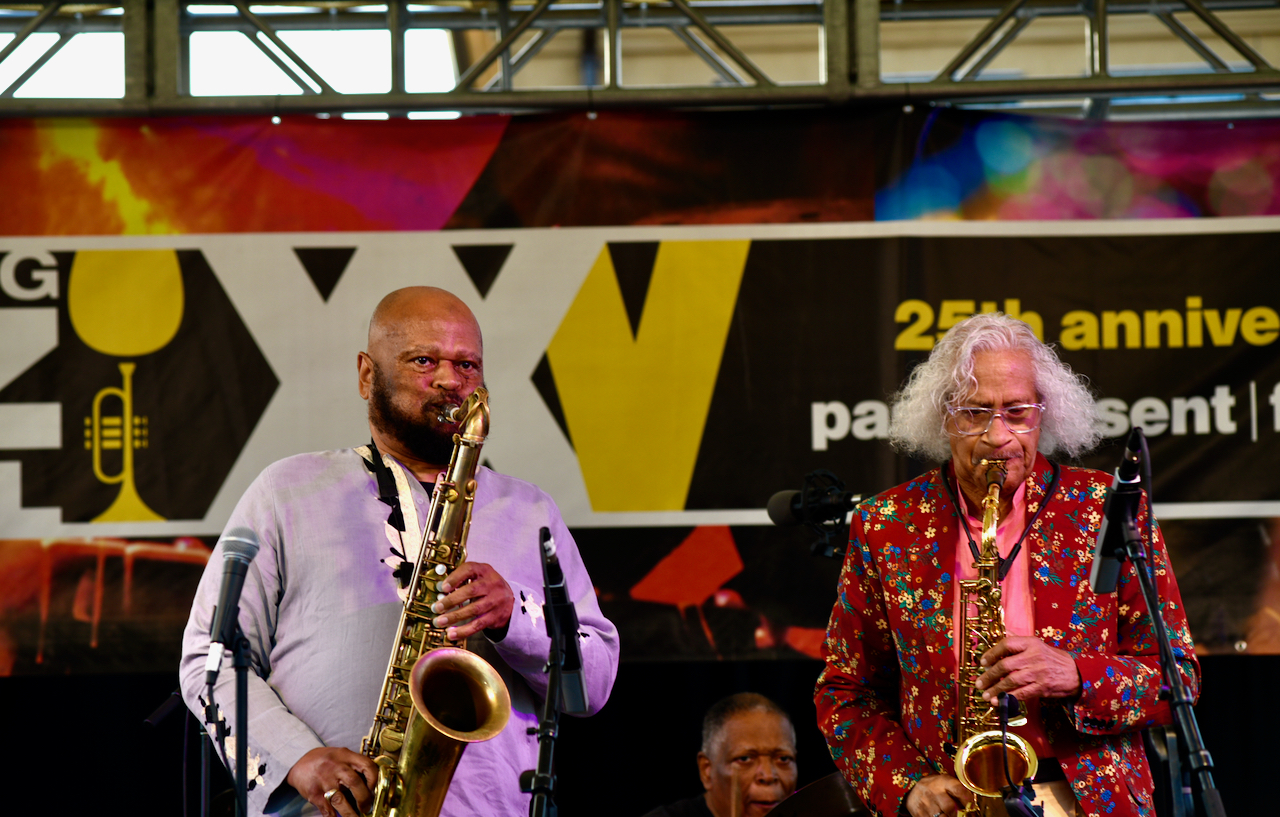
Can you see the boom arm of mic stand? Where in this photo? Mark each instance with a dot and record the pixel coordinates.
(1180, 704)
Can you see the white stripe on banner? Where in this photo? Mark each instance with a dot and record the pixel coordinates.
(1217, 510)
(25, 426)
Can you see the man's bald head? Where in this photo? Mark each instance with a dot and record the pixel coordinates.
(425, 354)
(396, 312)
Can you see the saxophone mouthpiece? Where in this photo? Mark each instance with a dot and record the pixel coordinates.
(450, 414)
(997, 470)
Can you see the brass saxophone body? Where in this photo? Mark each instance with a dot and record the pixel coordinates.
(436, 698)
(980, 758)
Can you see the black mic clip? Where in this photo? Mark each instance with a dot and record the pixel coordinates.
(821, 506)
(1008, 707)
(1018, 801)
(824, 487)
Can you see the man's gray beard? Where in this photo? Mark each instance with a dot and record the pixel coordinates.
(419, 435)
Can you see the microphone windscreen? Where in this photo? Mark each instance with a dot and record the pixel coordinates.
(239, 543)
(780, 508)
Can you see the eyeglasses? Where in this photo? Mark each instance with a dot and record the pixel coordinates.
(970, 421)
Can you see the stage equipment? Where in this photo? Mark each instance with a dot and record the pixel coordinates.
(565, 691)
(1125, 542)
(989, 760)
(435, 698)
(239, 546)
(1121, 503)
(829, 796)
(821, 506)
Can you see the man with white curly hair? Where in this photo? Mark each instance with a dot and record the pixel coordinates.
(1084, 667)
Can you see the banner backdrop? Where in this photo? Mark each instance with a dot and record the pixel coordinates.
(709, 342)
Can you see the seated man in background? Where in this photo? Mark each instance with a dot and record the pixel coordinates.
(747, 763)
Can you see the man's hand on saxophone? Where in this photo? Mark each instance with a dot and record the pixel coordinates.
(937, 794)
(478, 599)
(1027, 668)
(325, 776)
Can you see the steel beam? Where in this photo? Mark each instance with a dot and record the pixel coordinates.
(613, 44)
(866, 43)
(501, 49)
(713, 60)
(530, 50)
(270, 33)
(30, 28)
(157, 68)
(138, 55)
(723, 43)
(1193, 42)
(981, 39)
(40, 62)
(1220, 28)
(1007, 36)
(1099, 47)
(397, 24)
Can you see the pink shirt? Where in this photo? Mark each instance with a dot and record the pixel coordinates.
(1017, 598)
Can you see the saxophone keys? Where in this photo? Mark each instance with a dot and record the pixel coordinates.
(391, 740)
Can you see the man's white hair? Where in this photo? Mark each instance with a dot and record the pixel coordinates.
(920, 408)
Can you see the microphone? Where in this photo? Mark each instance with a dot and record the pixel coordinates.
(239, 546)
(787, 508)
(1121, 505)
(573, 694)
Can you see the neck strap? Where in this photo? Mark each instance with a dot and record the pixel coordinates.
(394, 491)
(387, 491)
(1006, 562)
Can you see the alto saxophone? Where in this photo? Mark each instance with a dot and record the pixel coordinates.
(436, 698)
(984, 750)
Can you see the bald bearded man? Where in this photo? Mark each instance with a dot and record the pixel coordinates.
(322, 602)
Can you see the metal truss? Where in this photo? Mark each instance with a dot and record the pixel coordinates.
(157, 69)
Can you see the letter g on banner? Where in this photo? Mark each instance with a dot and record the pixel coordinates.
(44, 277)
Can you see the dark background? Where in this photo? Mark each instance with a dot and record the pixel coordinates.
(80, 740)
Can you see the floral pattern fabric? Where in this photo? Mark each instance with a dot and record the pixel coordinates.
(886, 699)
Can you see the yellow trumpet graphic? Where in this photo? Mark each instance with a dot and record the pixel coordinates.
(124, 433)
(124, 303)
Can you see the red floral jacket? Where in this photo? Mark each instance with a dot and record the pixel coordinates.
(886, 699)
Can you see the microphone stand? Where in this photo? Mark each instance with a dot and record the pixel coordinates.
(541, 782)
(240, 662)
(1174, 690)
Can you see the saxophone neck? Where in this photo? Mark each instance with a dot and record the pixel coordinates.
(997, 470)
(471, 417)
(475, 417)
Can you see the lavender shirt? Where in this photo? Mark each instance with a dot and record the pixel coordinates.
(320, 609)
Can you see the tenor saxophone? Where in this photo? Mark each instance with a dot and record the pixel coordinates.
(983, 747)
(436, 698)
